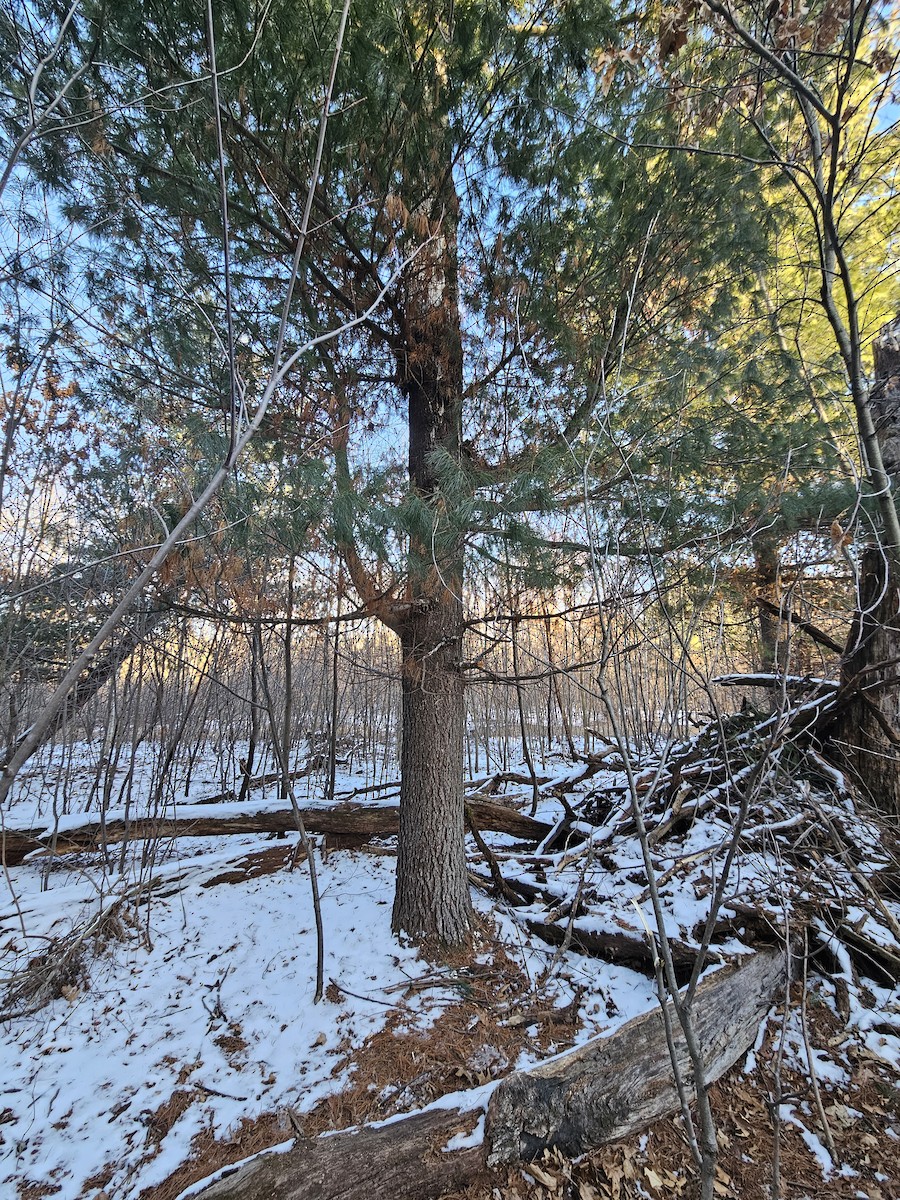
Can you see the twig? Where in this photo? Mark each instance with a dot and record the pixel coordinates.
(496, 874)
(810, 1060)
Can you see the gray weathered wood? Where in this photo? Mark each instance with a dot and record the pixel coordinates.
(613, 1086)
(404, 1160)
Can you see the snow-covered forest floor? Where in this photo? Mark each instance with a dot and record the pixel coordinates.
(157, 997)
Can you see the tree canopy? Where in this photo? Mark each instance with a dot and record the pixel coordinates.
(556, 282)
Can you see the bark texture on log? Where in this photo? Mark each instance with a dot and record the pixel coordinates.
(628, 949)
(605, 1090)
(868, 732)
(403, 1160)
(362, 822)
(614, 1086)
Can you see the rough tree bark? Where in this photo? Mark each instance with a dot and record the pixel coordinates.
(868, 731)
(432, 900)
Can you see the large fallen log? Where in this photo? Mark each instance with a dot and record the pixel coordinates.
(400, 1160)
(345, 821)
(612, 1087)
(609, 1088)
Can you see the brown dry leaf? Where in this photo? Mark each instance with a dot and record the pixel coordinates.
(606, 79)
(587, 1192)
(629, 1164)
(743, 1129)
(549, 1181)
(615, 1175)
(872, 1108)
(672, 36)
(653, 1179)
(722, 1183)
(70, 992)
(556, 1159)
(841, 1115)
(883, 59)
(874, 1056)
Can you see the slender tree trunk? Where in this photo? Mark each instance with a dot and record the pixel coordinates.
(335, 694)
(555, 691)
(287, 721)
(432, 899)
(766, 581)
(253, 737)
(104, 668)
(523, 724)
(868, 733)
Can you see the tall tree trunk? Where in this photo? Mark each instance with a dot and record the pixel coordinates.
(432, 899)
(766, 580)
(868, 732)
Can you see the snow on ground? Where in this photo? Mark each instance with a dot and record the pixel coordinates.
(197, 1010)
(220, 1003)
(220, 1000)
(208, 996)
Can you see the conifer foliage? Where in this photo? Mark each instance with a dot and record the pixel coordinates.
(533, 260)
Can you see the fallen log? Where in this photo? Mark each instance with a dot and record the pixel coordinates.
(400, 1160)
(870, 957)
(361, 822)
(609, 1088)
(627, 949)
(612, 1087)
(775, 681)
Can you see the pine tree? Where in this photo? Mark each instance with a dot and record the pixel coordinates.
(498, 176)
(434, 142)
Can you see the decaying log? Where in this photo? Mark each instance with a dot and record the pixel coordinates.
(868, 955)
(605, 1090)
(358, 821)
(401, 1160)
(614, 1086)
(628, 949)
(775, 680)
